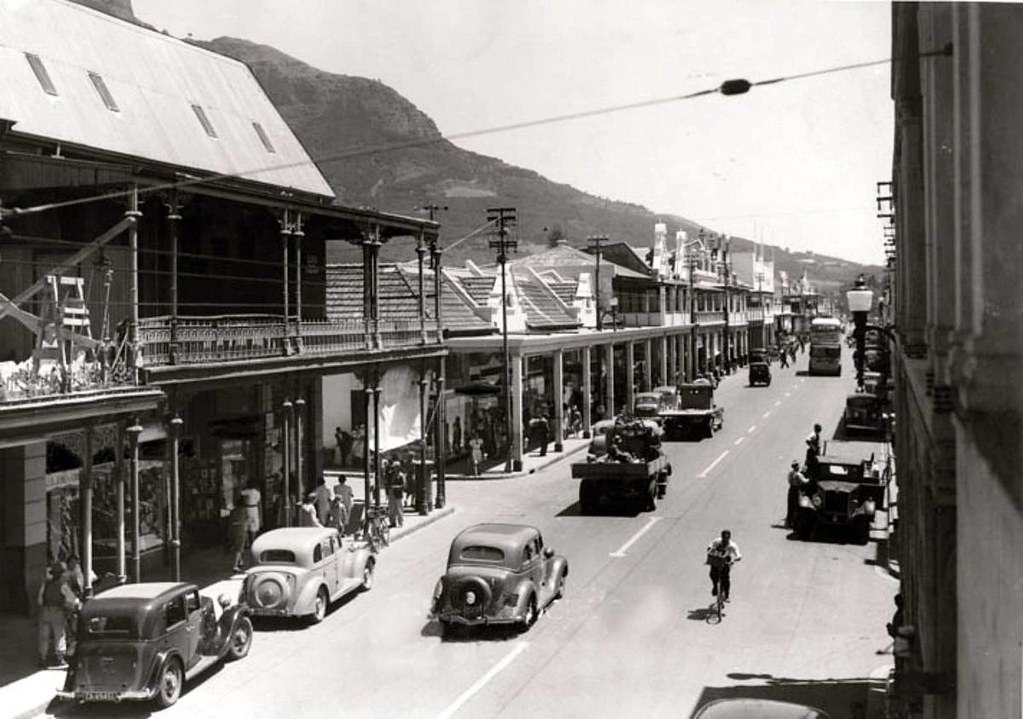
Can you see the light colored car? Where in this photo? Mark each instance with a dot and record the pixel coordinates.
(299, 571)
(498, 574)
(757, 709)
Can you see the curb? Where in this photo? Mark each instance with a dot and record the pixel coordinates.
(558, 457)
(436, 515)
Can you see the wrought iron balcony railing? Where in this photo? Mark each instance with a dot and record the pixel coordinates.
(227, 338)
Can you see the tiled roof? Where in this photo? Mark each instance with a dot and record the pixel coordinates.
(541, 309)
(81, 77)
(570, 262)
(565, 290)
(479, 288)
(399, 297)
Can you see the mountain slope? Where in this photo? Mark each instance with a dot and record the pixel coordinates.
(379, 150)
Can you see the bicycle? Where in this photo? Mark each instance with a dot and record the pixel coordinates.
(717, 609)
(377, 529)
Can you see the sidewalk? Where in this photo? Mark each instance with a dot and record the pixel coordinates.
(493, 468)
(26, 690)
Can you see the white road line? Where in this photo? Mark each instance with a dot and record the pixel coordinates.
(637, 535)
(713, 464)
(777, 403)
(766, 414)
(751, 429)
(481, 682)
(788, 394)
(739, 441)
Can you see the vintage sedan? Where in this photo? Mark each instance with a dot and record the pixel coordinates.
(648, 405)
(759, 373)
(864, 412)
(299, 571)
(145, 641)
(498, 574)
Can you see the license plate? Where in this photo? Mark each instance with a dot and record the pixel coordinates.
(98, 696)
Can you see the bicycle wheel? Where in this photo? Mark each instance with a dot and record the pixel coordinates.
(714, 612)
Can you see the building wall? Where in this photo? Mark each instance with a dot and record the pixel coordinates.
(958, 174)
(23, 503)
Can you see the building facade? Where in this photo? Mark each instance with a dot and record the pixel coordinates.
(956, 309)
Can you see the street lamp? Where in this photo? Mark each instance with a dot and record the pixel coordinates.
(859, 300)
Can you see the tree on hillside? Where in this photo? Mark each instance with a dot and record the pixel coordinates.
(554, 235)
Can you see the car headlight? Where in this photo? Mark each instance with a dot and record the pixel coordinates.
(817, 501)
(470, 598)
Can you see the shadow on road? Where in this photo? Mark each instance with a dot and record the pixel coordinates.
(611, 509)
(701, 614)
(840, 698)
(458, 633)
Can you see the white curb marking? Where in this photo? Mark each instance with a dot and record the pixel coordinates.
(739, 441)
(766, 414)
(752, 429)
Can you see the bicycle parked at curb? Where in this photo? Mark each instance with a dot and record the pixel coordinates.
(377, 529)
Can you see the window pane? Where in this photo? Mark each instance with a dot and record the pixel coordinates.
(263, 137)
(204, 121)
(41, 74)
(104, 92)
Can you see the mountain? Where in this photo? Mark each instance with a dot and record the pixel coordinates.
(379, 150)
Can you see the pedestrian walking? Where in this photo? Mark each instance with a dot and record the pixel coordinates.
(238, 531)
(344, 446)
(395, 493)
(251, 500)
(345, 498)
(55, 601)
(797, 484)
(543, 432)
(322, 496)
(456, 435)
(475, 454)
(783, 357)
(76, 583)
(576, 421)
(307, 512)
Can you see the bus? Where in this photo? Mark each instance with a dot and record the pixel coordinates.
(826, 346)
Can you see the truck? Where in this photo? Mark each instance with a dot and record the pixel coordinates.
(842, 492)
(697, 414)
(633, 471)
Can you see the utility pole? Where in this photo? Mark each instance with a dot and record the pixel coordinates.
(433, 210)
(503, 218)
(595, 241)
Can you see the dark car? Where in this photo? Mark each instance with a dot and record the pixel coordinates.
(759, 373)
(841, 492)
(757, 709)
(145, 641)
(864, 412)
(498, 574)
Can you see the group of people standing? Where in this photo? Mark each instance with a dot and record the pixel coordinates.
(801, 480)
(326, 507)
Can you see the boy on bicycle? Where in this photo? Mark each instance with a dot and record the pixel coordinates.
(721, 554)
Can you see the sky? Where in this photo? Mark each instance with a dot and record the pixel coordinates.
(793, 164)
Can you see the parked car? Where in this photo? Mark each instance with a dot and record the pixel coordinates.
(498, 574)
(741, 708)
(146, 641)
(759, 373)
(299, 571)
(647, 405)
(842, 492)
(864, 412)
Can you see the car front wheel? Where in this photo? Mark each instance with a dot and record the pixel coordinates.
(169, 688)
(241, 639)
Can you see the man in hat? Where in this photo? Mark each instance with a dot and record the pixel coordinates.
(797, 483)
(55, 601)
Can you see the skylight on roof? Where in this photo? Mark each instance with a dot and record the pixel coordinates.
(104, 92)
(263, 137)
(204, 121)
(39, 69)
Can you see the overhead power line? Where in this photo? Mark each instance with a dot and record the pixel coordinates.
(728, 87)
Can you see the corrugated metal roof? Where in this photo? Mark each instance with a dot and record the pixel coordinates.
(155, 80)
(542, 310)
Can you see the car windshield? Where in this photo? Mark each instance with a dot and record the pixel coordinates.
(481, 553)
(111, 625)
(277, 556)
